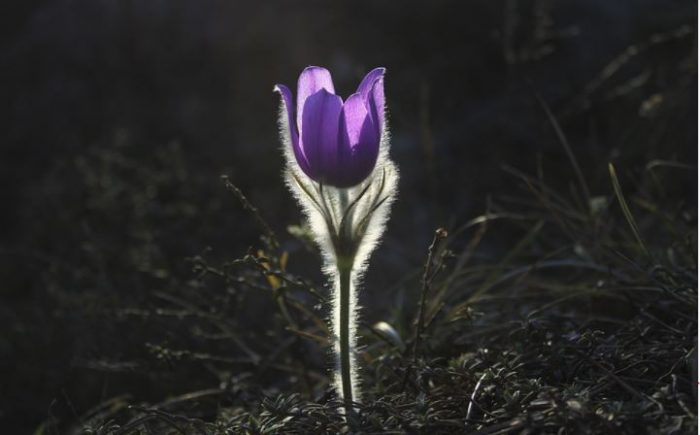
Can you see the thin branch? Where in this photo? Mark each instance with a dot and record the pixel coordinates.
(439, 235)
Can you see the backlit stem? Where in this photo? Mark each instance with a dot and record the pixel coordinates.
(344, 254)
(344, 275)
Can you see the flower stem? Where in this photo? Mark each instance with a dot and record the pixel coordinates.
(344, 275)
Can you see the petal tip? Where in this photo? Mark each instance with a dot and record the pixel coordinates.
(370, 79)
(315, 68)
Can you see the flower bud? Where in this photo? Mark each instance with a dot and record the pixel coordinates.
(335, 143)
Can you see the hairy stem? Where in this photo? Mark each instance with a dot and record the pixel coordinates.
(344, 275)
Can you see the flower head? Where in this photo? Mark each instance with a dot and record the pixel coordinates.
(335, 142)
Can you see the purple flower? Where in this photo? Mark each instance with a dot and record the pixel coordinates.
(335, 142)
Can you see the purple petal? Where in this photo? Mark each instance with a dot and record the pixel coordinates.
(372, 90)
(366, 85)
(319, 131)
(377, 104)
(311, 80)
(294, 136)
(358, 142)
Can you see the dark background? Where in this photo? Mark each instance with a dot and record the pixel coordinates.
(118, 117)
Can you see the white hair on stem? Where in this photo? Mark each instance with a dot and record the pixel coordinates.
(355, 215)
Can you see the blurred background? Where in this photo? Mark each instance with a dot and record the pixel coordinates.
(119, 117)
